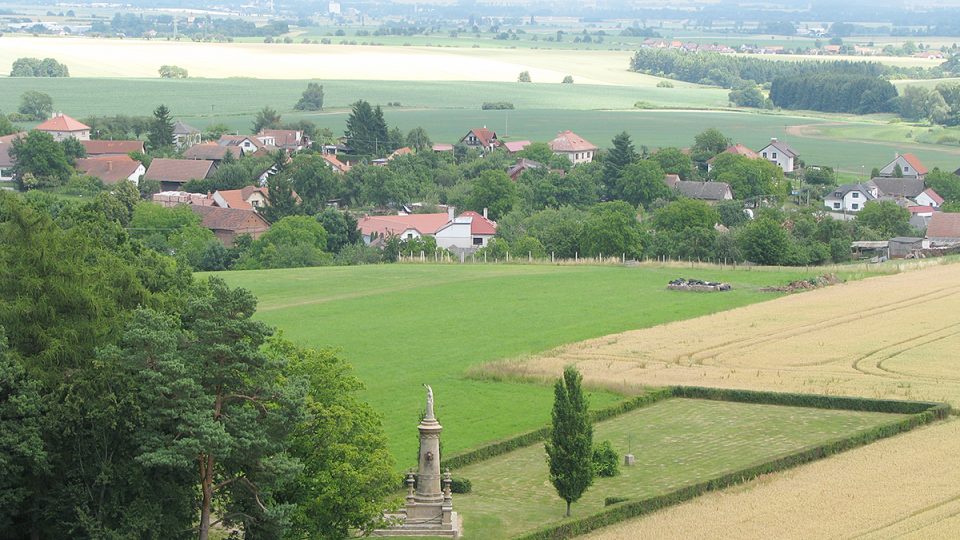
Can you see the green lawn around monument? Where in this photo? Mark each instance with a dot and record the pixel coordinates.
(404, 325)
(676, 443)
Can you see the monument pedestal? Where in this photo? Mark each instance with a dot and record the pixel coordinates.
(429, 509)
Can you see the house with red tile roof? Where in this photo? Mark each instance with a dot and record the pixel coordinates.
(910, 166)
(111, 148)
(516, 146)
(574, 147)
(229, 223)
(943, 229)
(738, 150)
(482, 139)
(112, 169)
(173, 173)
(248, 198)
(467, 232)
(257, 145)
(442, 147)
(63, 127)
(929, 197)
(335, 164)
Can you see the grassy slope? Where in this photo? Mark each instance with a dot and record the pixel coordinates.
(404, 325)
(676, 443)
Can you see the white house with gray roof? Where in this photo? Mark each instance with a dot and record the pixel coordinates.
(780, 153)
(850, 197)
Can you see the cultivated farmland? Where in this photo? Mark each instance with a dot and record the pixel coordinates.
(882, 337)
(903, 487)
(677, 442)
(404, 325)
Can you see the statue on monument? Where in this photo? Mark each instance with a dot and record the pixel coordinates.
(429, 414)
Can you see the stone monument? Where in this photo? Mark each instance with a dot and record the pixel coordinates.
(429, 504)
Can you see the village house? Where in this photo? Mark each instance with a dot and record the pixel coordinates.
(250, 145)
(898, 188)
(185, 135)
(6, 160)
(482, 139)
(112, 169)
(229, 223)
(574, 147)
(335, 164)
(910, 167)
(737, 149)
(212, 151)
(780, 153)
(112, 148)
(248, 198)
(62, 127)
(291, 140)
(522, 164)
(930, 198)
(464, 233)
(710, 192)
(173, 173)
(850, 197)
(442, 147)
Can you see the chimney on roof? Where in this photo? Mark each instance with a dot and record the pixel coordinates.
(451, 211)
(484, 213)
(773, 139)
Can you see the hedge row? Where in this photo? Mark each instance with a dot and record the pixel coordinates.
(532, 437)
(630, 509)
(807, 400)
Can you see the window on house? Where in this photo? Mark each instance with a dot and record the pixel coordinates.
(855, 194)
(906, 169)
(836, 206)
(774, 155)
(854, 206)
(764, 154)
(409, 236)
(477, 241)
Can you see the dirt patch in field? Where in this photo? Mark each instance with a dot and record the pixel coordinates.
(904, 486)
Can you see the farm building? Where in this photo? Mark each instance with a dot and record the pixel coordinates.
(895, 188)
(902, 246)
(212, 151)
(173, 173)
(111, 148)
(6, 161)
(710, 192)
(466, 232)
(943, 229)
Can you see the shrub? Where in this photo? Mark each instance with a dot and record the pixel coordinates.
(606, 462)
(460, 485)
(614, 500)
(664, 84)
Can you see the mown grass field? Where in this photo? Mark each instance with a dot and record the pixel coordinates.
(676, 443)
(405, 325)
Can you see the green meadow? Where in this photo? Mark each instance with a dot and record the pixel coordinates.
(401, 326)
(677, 442)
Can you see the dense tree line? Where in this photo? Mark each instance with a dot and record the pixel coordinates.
(834, 92)
(730, 71)
(138, 25)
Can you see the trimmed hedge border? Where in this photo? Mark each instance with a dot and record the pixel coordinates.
(532, 437)
(920, 413)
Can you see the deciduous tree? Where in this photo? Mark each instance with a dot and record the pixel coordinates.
(569, 450)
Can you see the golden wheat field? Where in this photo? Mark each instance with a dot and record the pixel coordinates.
(884, 337)
(903, 487)
(894, 336)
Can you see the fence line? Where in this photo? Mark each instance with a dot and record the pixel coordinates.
(445, 257)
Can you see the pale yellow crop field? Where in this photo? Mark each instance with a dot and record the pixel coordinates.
(884, 337)
(89, 57)
(903, 487)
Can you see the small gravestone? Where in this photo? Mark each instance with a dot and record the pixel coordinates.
(629, 460)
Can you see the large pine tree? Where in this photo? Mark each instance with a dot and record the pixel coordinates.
(621, 155)
(570, 447)
(161, 128)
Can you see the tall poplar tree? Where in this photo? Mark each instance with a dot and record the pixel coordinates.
(570, 447)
